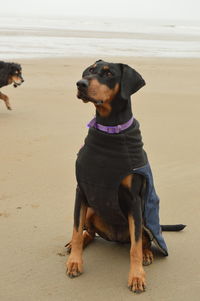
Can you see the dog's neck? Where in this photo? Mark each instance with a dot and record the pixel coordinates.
(120, 112)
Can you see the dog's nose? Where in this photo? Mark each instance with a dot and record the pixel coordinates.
(83, 83)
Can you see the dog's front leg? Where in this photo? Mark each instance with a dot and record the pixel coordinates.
(130, 191)
(136, 278)
(75, 261)
(6, 100)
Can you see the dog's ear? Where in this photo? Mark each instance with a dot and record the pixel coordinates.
(15, 67)
(131, 81)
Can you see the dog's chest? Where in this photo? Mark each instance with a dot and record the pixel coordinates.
(102, 163)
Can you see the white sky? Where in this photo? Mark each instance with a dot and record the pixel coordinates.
(143, 9)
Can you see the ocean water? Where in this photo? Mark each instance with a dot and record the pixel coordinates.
(30, 37)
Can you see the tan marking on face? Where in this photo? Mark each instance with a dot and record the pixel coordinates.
(98, 91)
(102, 92)
(16, 79)
(105, 68)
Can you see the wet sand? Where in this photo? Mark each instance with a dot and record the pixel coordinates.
(39, 142)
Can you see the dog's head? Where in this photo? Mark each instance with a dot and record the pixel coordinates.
(10, 73)
(15, 75)
(103, 81)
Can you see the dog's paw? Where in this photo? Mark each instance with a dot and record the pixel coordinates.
(74, 266)
(147, 257)
(136, 281)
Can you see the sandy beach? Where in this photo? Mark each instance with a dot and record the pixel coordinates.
(40, 138)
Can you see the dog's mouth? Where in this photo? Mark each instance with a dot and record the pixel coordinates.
(17, 81)
(16, 84)
(82, 95)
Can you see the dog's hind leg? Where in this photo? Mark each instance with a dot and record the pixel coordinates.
(6, 100)
(75, 262)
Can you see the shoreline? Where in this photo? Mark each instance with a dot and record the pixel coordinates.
(97, 34)
(49, 38)
(114, 59)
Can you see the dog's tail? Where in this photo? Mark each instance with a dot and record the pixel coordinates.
(178, 227)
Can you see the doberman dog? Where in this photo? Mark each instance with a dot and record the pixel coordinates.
(10, 73)
(111, 196)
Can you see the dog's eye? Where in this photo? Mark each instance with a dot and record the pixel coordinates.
(91, 70)
(107, 73)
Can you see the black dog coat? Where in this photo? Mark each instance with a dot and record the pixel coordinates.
(102, 163)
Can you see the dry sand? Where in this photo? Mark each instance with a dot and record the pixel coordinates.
(39, 142)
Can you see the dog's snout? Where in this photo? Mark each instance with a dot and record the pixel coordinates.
(83, 83)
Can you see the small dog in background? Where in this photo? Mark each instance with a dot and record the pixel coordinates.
(10, 73)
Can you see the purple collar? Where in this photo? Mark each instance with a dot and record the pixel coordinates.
(110, 129)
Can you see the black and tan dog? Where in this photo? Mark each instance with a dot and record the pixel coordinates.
(10, 73)
(115, 196)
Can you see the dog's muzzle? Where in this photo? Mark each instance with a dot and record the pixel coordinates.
(82, 86)
(16, 84)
